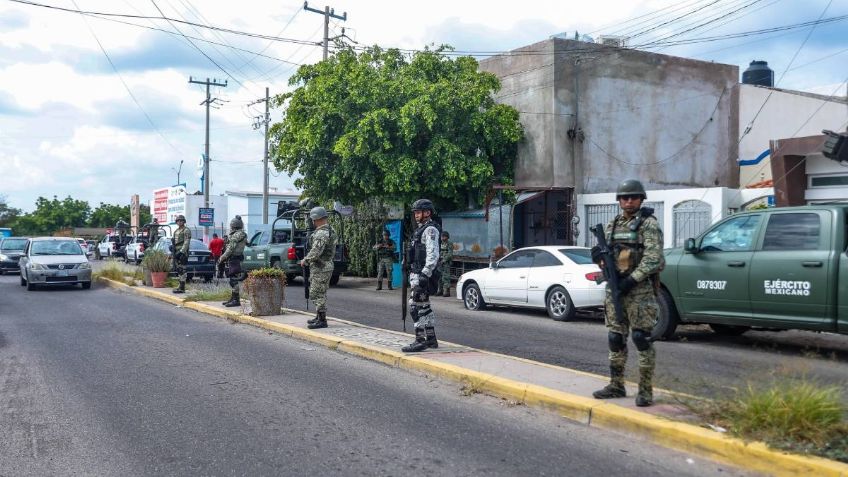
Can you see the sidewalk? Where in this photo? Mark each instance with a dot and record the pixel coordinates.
(565, 391)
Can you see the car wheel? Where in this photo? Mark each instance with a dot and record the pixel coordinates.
(30, 286)
(86, 285)
(1, 272)
(23, 281)
(728, 330)
(559, 304)
(135, 258)
(334, 279)
(472, 298)
(290, 277)
(207, 278)
(668, 319)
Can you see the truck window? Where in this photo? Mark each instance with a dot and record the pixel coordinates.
(282, 236)
(735, 235)
(792, 232)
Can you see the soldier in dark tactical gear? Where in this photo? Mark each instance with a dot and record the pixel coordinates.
(322, 247)
(152, 232)
(637, 244)
(423, 257)
(385, 259)
(233, 256)
(181, 242)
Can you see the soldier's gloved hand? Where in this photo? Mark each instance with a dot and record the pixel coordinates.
(626, 285)
(597, 256)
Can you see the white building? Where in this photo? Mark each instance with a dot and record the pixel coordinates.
(248, 204)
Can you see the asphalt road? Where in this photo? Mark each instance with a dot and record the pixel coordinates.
(103, 382)
(698, 362)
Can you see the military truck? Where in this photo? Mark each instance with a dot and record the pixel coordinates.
(283, 245)
(776, 269)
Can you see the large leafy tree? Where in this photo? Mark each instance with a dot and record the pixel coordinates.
(52, 215)
(107, 215)
(8, 214)
(383, 124)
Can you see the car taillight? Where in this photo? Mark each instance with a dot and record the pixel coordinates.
(291, 255)
(594, 276)
(141, 247)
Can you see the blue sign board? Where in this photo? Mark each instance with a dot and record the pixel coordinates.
(206, 217)
(770, 201)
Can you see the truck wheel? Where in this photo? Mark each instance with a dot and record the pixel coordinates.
(668, 319)
(472, 298)
(290, 278)
(334, 279)
(559, 304)
(728, 330)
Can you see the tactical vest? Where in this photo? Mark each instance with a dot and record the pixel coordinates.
(241, 241)
(627, 243)
(385, 252)
(328, 252)
(417, 255)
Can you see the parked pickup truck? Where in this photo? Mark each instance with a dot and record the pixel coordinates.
(282, 246)
(779, 269)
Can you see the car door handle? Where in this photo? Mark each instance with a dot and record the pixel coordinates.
(736, 263)
(522, 276)
(813, 264)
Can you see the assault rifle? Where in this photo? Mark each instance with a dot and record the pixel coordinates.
(404, 286)
(610, 272)
(306, 270)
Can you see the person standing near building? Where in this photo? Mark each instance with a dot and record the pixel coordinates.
(233, 257)
(636, 241)
(445, 259)
(423, 258)
(216, 247)
(385, 259)
(182, 242)
(322, 247)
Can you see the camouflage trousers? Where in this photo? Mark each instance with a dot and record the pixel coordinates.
(385, 265)
(640, 312)
(445, 280)
(319, 282)
(182, 269)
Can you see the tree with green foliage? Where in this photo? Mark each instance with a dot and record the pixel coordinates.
(52, 215)
(382, 124)
(7, 214)
(107, 215)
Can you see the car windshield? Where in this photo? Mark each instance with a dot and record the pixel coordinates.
(13, 244)
(580, 256)
(56, 247)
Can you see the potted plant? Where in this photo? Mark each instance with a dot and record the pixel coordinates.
(159, 264)
(265, 288)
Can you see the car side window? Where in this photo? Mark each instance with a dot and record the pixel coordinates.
(735, 235)
(520, 259)
(545, 259)
(792, 232)
(254, 240)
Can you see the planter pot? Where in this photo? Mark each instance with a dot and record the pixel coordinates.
(147, 280)
(158, 279)
(266, 295)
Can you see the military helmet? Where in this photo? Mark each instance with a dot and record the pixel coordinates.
(236, 223)
(423, 204)
(631, 187)
(180, 217)
(445, 234)
(318, 213)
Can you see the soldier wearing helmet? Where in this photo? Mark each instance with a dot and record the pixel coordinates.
(181, 241)
(445, 259)
(233, 256)
(322, 247)
(423, 277)
(637, 241)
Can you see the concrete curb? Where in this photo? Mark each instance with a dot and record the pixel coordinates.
(676, 435)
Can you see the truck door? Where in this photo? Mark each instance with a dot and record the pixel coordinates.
(714, 281)
(789, 274)
(253, 254)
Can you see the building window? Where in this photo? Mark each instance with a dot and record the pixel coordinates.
(829, 181)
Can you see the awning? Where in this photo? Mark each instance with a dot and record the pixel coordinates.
(525, 196)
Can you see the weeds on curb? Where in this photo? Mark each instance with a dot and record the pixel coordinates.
(114, 272)
(209, 295)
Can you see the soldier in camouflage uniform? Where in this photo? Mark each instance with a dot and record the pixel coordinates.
(423, 257)
(233, 256)
(385, 259)
(445, 259)
(322, 247)
(181, 241)
(636, 240)
(152, 232)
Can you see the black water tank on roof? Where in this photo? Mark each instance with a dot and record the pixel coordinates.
(758, 73)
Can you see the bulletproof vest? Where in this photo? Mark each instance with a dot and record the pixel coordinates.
(240, 239)
(627, 243)
(417, 257)
(180, 236)
(330, 250)
(385, 252)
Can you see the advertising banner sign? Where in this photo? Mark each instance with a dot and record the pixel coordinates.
(176, 203)
(206, 217)
(159, 207)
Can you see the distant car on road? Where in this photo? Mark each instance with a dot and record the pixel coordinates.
(559, 279)
(200, 261)
(109, 245)
(11, 249)
(54, 261)
(84, 247)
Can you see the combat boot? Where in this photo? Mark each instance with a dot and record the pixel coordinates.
(234, 300)
(389, 283)
(379, 285)
(180, 289)
(314, 320)
(615, 389)
(447, 291)
(430, 337)
(438, 291)
(418, 345)
(321, 321)
(645, 397)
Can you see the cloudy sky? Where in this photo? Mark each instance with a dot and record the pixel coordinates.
(76, 122)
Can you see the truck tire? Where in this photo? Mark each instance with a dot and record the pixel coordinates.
(334, 279)
(668, 319)
(728, 330)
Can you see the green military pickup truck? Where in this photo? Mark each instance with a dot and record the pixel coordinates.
(283, 246)
(779, 269)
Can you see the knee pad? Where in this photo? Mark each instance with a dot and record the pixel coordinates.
(419, 294)
(413, 313)
(233, 282)
(616, 341)
(642, 339)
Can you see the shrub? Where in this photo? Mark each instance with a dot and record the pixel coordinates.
(156, 261)
(268, 272)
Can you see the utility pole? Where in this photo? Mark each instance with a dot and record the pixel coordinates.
(256, 125)
(328, 12)
(208, 103)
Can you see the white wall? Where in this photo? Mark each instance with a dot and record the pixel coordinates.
(817, 166)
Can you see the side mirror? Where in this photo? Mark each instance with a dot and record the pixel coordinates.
(690, 246)
(493, 265)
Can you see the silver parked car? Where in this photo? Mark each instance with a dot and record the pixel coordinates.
(54, 261)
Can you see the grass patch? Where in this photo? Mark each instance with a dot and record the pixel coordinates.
(114, 272)
(795, 415)
(209, 295)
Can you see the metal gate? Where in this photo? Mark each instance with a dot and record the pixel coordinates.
(604, 213)
(690, 218)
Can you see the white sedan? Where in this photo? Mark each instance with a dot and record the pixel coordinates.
(558, 278)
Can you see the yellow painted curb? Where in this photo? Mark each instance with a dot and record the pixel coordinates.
(677, 435)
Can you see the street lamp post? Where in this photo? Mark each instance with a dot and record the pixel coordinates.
(178, 171)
